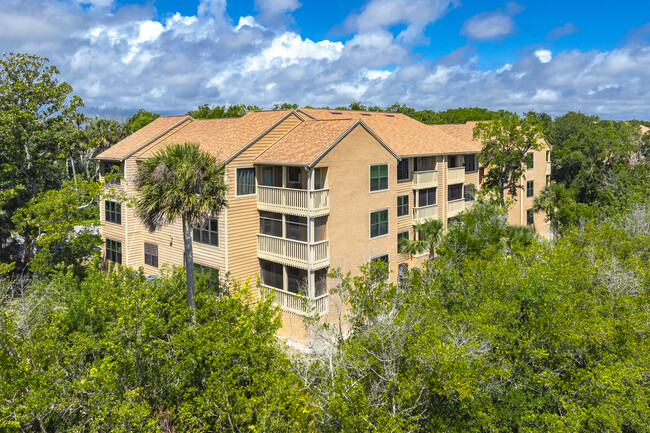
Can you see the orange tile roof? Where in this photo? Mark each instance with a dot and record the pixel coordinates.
(140, 137)
(306, 142)
(220, 137)
(463, 132)
(405, 135)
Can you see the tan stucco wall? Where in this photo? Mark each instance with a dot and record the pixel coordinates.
(351, 202)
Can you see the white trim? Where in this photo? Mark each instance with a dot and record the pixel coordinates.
(387, 209)
(408, 197)
(254, 178)
(370, 177)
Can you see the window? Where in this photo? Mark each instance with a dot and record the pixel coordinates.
(455, 192)
(402, 205)
(548, 155)
(319, 178)
(113, 212)
(402, 269)
(271, 224)
(297, 280)
(470, 163)
(400, 236)
(245, 181)
(267, 176)
(383, 274)
(294, 174)
(151, 254)
(530, 160)
(114, 168)
(211, 275)
(296, 228)
(530, 188)
(469, 191)
(453, 161)
(378, 177)
(403, 169)
(272, 274)
(114, 251)
(427, 197)
(208, 233)
(320, 278)
(529, 217)
(379, 223)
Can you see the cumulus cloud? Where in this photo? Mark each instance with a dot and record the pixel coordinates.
(129, 59)
(491, 25)
(274, 11)
(544, 56)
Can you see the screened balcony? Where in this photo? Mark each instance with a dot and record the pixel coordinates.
(425, 179)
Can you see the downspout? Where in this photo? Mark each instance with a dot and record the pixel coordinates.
(309, 287)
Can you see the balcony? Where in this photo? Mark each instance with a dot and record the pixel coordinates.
(455, 207)
(296, 303)
(421, 214)
(293, 253)
(425, 179)
(456, 175)
(548, 167)
(293, 201)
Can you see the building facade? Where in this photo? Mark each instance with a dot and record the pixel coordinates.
(309, 190)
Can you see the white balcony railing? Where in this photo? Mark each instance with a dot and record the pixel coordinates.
(456, 175)
(421, 214)
(293, 253)
(425, 179)
(293, 201)
(298, 304)
(455, 207)
(548, 167)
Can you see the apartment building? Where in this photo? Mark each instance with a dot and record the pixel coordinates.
(309, 190)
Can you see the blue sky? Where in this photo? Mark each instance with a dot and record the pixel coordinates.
(170, 56)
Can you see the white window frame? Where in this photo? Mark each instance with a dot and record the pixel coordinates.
(370, 223)
(254, 179)
(370, 177)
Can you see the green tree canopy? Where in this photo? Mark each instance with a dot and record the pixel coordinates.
(506, 142)
(139, 119)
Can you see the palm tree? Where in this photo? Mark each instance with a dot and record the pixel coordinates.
(183, 182)
(427, 238)
(557, 203)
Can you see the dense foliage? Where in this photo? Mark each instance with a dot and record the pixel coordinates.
(499, 331)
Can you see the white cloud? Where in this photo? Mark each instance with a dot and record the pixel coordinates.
(546, 95)
(544, 56)
(377, 75)
(129, 60)
(504, 68)
(488, 26)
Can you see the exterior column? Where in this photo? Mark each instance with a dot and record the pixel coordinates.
(310, 286)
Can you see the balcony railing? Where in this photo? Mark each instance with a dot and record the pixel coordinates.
(421, 214)
(456, 175)
(293, 253)
(455, 207)
(297, 304)
(425, 179)
(293, 201)
(548, 167)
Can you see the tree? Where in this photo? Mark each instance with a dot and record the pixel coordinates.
(427, 237)
(506, 143)
(221, 111)
(36, 113)
(180, 181)
(139, 119)
(64, 223)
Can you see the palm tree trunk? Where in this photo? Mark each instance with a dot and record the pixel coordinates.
(189, 262)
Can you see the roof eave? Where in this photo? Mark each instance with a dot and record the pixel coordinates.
(147, 142)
